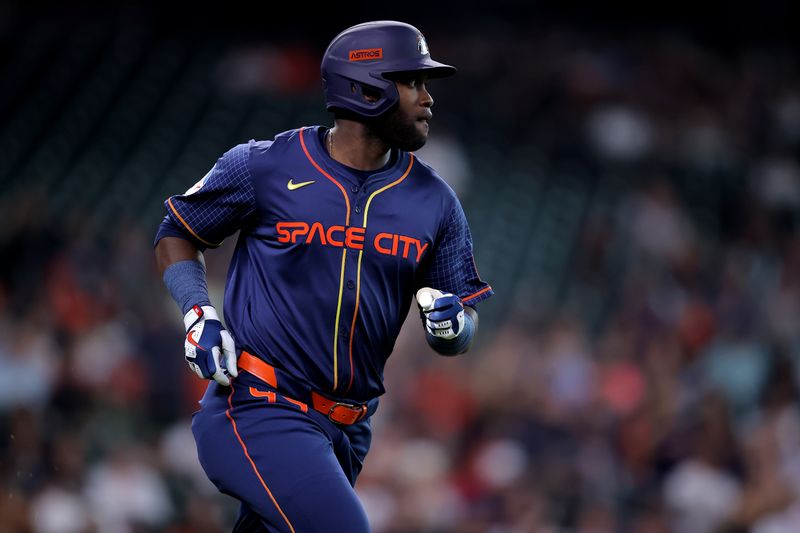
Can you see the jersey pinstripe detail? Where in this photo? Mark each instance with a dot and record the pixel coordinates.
(186, 225)
(376, 193)
(360, 255)
(336, 325)
(222, 202)
(452, 268)
(344, 257)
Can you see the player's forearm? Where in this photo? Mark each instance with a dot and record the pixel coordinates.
(170, 250)
(473, 314)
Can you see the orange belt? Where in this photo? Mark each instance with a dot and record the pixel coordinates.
(339, 412)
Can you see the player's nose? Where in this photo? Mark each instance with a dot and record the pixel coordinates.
(426, 100)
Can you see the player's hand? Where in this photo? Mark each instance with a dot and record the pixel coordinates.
(442, 313)
(210, 351)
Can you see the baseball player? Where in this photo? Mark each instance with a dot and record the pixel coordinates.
(340, 228)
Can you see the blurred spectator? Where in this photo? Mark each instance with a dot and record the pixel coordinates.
(125, 493)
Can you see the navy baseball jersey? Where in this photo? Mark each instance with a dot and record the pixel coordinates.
(329, 257)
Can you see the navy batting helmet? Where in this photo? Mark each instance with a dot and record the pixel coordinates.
(367, 55)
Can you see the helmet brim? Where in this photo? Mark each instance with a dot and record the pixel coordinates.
(433, 69)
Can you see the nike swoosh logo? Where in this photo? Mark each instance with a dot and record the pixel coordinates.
(292, 185)
(192, 341)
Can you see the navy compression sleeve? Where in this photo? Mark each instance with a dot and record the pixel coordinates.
(186, 281)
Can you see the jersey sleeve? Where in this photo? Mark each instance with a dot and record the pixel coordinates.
(220, 203)
(453, 266)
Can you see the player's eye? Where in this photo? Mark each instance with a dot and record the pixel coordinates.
(415, 83)
(408, 82)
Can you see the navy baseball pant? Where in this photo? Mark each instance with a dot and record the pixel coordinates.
(291, 467)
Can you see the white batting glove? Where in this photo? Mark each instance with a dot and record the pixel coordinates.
(210, 351)
(441, 312)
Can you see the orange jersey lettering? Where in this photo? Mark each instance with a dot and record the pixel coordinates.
(288, 231)
(353, 238)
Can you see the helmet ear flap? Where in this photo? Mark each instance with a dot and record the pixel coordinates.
(366, 98)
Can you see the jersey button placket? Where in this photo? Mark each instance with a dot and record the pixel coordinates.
(349, 297)
(359, 194)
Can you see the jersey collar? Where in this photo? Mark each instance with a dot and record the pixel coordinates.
(314, 140)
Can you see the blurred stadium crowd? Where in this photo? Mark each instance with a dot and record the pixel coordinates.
(635, 205)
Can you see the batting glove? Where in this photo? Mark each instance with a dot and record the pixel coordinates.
(209, 346)
(442, 313)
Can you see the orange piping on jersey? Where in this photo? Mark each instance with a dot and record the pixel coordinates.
(344, 255)
(471, 296)
(196, 236)
(360, 255)
(319, 168)
(253, 464)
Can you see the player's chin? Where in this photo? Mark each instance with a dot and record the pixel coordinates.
(407, 136)
(420, 136)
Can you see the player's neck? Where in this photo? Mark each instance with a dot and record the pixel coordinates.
(353, 144)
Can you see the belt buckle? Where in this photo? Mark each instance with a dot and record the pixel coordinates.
(360, 409)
